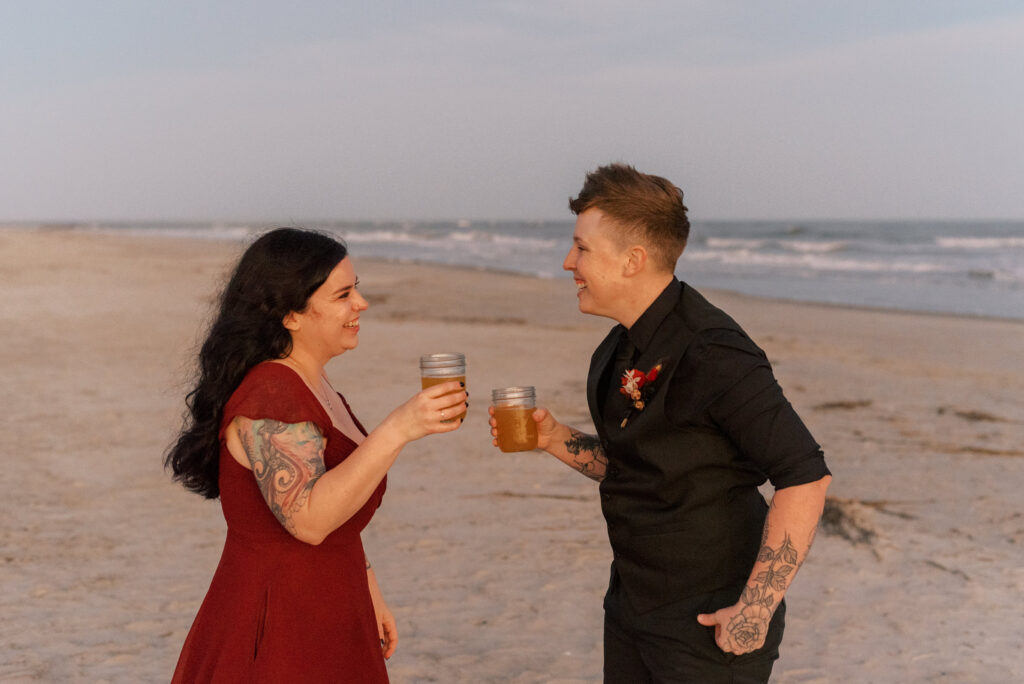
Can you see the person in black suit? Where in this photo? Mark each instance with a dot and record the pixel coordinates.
(690, 422)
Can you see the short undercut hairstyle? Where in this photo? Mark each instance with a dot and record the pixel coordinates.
(648, 209)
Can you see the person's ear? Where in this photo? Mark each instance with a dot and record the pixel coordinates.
(636, 260)
(291, 321)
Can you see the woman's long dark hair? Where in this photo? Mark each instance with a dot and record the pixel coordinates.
(276, 275)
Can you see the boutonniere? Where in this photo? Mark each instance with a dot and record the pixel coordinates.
(637, 385)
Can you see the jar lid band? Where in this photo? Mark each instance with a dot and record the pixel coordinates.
(445, 360)
(524, 392)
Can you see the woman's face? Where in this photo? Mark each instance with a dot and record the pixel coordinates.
(330, 324)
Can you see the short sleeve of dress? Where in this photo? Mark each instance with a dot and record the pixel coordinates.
(274, 391)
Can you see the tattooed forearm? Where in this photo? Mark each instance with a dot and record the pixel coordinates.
(287, 460)
(588, 455)
(748, 628)
(785, 542)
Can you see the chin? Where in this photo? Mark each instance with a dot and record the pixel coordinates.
(585, 306)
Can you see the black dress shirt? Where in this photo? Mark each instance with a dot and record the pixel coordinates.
(680, 494)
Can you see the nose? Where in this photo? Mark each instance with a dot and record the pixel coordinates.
(361, 302)
(570, 260)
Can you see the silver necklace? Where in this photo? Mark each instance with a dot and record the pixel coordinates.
(319, 394)
(327, 394)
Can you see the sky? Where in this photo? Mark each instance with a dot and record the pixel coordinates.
(469, 109)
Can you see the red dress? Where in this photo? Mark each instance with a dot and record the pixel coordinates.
(278, 609)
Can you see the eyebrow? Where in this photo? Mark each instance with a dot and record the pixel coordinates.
(342, 290)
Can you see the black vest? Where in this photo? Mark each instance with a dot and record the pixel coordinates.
(683, 511)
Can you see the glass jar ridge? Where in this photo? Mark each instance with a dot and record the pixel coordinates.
(447, 364)
(514, 396)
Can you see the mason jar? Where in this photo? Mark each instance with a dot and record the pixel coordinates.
(437, 369)
(513, 413)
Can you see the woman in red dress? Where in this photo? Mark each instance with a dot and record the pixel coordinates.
(294, 597)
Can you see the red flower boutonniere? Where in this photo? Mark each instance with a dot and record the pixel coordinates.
(637, 386)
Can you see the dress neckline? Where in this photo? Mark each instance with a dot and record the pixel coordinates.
(323, 411)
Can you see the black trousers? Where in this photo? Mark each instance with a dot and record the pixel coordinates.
(667, 644)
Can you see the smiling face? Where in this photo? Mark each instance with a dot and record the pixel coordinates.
(329, 325)
(598, 264)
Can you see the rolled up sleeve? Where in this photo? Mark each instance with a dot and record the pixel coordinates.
(745, 402)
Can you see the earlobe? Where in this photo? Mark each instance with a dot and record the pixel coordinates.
(290, 322)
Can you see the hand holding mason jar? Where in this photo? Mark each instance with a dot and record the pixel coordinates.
(438, 369)
(512, 422)
(512, 408)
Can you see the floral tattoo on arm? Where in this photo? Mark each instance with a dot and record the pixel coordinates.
(588, 454)
(287, 460)
(748, 628)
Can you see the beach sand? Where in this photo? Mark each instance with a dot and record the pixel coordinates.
(494, 564)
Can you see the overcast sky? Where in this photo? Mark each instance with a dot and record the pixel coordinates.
(273, 111)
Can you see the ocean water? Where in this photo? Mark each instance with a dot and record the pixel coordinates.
(963, 267)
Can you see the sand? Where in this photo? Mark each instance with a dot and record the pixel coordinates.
(494, 564)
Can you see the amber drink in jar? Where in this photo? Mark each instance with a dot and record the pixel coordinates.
(513, 413)
(437, 369)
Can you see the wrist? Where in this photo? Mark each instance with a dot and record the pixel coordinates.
(558, 436)
(392, 434)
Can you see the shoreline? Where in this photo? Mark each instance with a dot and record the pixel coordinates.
(711, 290)
(494, 564)
(104, 229)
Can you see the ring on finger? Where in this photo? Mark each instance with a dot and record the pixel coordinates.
(442, 414)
